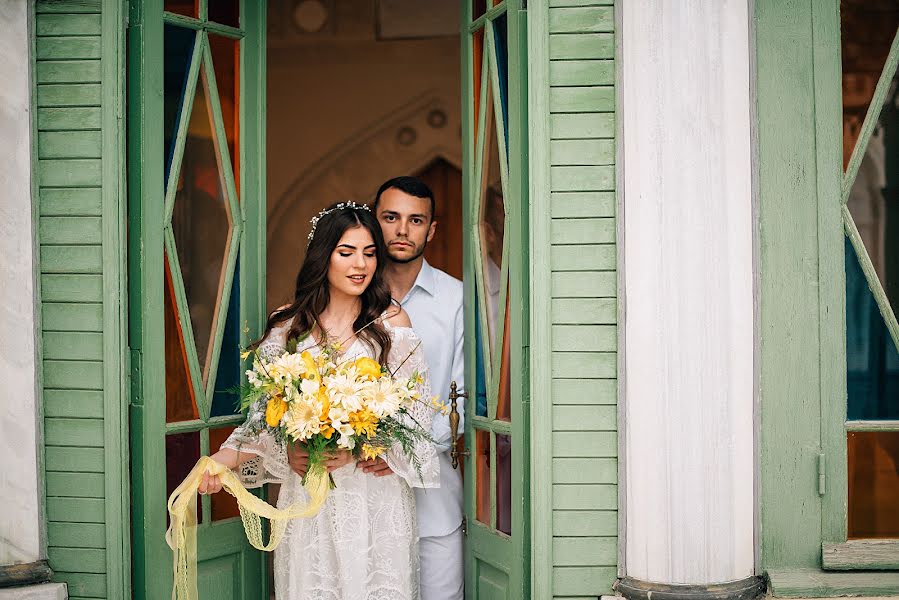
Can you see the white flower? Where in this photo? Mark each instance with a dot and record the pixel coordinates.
(382, 397)
(253, 378)
(344, 390)
(302, 418)
(290, 364)
(309, 387)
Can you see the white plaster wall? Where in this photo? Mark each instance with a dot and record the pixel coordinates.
(19, 495)
(688, 264)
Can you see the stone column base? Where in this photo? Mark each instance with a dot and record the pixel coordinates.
(41, 591)
(744, 589)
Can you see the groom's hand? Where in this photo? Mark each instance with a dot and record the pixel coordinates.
(298, 459)
(377, 467)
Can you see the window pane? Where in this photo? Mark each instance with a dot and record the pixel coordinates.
(182, 451)
(201, 223)
(480, 372)
(226, 12)
(873, 484)
(224, 505)
(872, 363)
(491, 227)
(180, 403)
(179, 47)
(226, 64)
(478, 8)
(504, 483)
(500, 40)
(504, 393)
(188, 8)
(477, 58)
(230, 365)
(867, 31)
(482, 469)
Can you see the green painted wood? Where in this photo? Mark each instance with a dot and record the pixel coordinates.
(73, 432)
(64, 172)
(584, 418)
(80, 404)
(71, 259)
(570, 581)
(814, 583)
(68, 71)
(584, 364)
(571, 523)
(583, 231)
(73, 374)
(76, 510)
(585, 551)
(585, 391)
(78, 485)
(580, 126)
(584, 444)
(584, 311)
(73, 458)
(581, 72)
(89, 585)
(581, 99)
(68, 6)
(68, 48)
(788, 290)
(582, 497)
(585, 284)
(71, 317)
(57, 202)
(68, 24)
(854, 555)
(69, 345)
(77, 560)
(581, 20)
(582, 152)
(581, 46)
(558, 3)
(67, 119)
(69, 94)
(583, 204)
(71, 288)
(69, 144)
(581, 178)
(75, 535)
(71, 230)
(588, 338)
(582, 257)
(585, 470)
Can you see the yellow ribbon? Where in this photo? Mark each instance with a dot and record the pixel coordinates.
(182, 533)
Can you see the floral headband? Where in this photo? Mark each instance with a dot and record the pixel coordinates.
(328, 211)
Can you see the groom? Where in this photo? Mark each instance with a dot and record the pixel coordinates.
(404, 206)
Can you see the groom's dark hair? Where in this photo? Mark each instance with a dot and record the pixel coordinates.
(409, 185)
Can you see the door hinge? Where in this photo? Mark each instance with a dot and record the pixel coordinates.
(821, 476)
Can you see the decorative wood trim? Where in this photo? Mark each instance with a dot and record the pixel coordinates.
(872, 425)
(539, 209)
(861, 554)
(744, 589)
(25, 574)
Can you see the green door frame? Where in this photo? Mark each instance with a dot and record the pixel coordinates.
(495, 561)
(151, 558)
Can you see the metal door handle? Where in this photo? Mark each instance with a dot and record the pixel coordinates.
(454, 395)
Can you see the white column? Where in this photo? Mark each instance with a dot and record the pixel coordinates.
(20, 496)
(688, 289)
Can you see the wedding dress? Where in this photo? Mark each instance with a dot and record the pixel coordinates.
(363, 544)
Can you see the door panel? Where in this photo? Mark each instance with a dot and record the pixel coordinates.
(196, 211)
(496, 286)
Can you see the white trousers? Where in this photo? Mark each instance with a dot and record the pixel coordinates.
(442, 577)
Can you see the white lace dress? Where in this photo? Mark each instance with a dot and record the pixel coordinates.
(363, 544)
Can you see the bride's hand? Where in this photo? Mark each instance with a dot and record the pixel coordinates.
(210, 484)
(338, 459)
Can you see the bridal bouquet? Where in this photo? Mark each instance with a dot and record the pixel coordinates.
(326, 403)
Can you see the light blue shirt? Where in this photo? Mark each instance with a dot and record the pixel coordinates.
(434, 305)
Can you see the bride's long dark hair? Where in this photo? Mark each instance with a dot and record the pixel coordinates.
(313, 292)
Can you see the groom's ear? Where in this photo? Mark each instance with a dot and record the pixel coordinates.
(432, 229)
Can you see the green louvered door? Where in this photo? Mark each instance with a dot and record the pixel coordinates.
(196, 268)
(496, 289)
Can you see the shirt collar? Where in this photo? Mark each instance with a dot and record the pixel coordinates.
(426, 280)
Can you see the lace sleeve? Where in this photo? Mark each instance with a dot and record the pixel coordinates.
(427, 475)
(269, 462)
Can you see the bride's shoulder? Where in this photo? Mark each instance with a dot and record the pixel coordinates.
(395, 316)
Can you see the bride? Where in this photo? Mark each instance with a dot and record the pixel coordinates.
(362, 545)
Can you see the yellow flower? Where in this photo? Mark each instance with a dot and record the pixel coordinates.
(364, 422)
(274, 410)
(326, 404)
(327, 431)
(368, 367)
(311, 366)
(244, 355)
(369, 452)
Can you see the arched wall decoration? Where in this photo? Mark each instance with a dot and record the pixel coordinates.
(354, 170)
